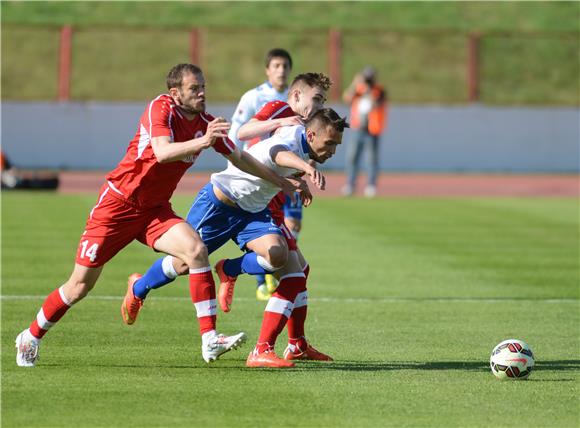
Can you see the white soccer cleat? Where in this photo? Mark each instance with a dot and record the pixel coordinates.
(26, 349)
(213, 347)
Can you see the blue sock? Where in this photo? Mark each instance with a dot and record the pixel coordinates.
(260, 279)
(153, 278)
(248, 263)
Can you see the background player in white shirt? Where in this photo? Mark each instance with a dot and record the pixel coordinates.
(278, 67)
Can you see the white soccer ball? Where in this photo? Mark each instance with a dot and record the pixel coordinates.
(512, 359)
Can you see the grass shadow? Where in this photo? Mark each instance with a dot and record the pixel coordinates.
(348, 366)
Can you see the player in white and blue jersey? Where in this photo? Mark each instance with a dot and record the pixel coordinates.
(234, 206)
(275, 88)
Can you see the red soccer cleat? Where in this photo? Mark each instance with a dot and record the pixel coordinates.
(131, 304)
(267, 359)
(226, 289)
(293, 352)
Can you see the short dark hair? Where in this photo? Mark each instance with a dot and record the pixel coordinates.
(328, 117)
(312, 79)
(175, 75)
(277, 53)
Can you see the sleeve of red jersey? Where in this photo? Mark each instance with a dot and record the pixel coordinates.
(224, 146)
(158, 115)
(274, 110)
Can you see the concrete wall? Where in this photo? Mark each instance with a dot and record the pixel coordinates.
(420, 138)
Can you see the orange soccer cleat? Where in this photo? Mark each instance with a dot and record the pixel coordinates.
(293, 352)
(131, 304)
(267, 359)
(226, 288)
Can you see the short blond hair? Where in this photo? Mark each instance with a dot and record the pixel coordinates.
(320, 80)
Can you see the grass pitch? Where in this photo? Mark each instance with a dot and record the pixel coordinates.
(409, 296)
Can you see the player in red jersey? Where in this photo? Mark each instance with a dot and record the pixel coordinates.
(134, 204)
(306, 96)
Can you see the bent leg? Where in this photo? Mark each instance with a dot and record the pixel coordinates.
(268, 254)
(81, 281)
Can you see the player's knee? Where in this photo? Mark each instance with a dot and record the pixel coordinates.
(181, 268)
(277, 256)
(196, 253)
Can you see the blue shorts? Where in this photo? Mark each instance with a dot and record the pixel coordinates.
(293, 210)
(217, 222)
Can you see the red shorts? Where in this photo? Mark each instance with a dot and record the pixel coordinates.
(276, 207)
(113, 224)
(290, 240)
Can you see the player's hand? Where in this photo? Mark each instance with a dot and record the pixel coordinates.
(217, 128)
(306, 196)
(317, 178)
(301, 187)
(290, 186)
(290, 121)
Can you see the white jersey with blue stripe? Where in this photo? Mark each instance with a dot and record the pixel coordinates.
(250, 104)
(252, 193)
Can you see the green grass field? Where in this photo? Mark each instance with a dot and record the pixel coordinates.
(408, 295)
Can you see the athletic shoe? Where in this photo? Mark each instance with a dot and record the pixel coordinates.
(347, 190)
(370, 191)
(226, 289)
(262, 292)
(213, 347)
(271, 283)
(293, 352)
(131, 304)
(27, 349)
(267, 359)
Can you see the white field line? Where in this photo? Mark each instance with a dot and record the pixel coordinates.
(336, 299)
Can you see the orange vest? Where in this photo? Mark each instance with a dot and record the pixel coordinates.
(377, 118)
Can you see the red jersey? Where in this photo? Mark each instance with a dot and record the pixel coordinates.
(275, 110)
(139, 178)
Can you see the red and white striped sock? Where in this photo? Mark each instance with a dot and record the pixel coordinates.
(53, 309)
(298, 318)
(278, 310)
(202, 291)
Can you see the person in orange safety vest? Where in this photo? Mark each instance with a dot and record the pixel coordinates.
(368, 119)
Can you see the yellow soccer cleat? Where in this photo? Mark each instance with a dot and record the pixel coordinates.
(262, 293)
(271, 283)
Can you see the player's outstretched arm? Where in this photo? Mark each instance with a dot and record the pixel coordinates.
(256, 128)
(247, 163)
(288, 159)
(165, 151)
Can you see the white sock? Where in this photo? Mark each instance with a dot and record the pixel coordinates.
(168, 269)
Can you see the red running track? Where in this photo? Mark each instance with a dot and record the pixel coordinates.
(398, 185)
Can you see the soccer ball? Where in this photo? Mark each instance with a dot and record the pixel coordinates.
(511, 359)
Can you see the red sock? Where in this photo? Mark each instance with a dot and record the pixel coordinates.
(53, 309)
(202, 291)
(279, 309)
(298, 318)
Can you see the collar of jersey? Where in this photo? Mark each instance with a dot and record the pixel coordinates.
(305, 146)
